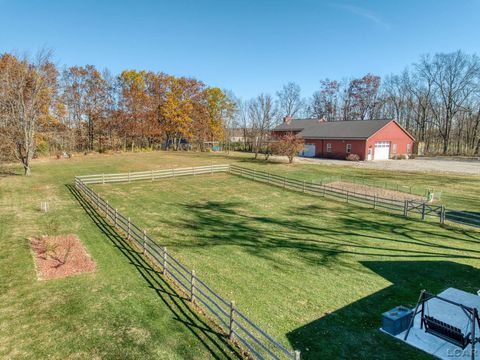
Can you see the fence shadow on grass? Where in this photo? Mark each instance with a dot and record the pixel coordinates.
(318, 243)
(214, 342)
(352, 332)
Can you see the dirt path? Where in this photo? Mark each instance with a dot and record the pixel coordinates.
(371, 190)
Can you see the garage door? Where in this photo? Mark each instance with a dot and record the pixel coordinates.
(382, 150)
(308, 150)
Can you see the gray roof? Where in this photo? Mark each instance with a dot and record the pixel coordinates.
(315, 129)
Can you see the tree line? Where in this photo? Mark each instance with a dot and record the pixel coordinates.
(47, 109)
(436, 99)
(44, 109)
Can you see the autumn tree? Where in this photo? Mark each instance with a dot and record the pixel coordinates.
(361, 98)
(87, 96)
(288, 145)
(27, 92)
(324, 103)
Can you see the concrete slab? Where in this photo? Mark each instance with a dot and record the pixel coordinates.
(449, 314)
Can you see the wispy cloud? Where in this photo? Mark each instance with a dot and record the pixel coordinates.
(364, 13)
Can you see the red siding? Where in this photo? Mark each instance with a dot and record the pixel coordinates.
(393, 133)
(339, 148)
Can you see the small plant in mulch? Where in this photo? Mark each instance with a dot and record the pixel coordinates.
(60, 256)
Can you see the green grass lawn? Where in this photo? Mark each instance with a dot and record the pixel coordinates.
(315, 273)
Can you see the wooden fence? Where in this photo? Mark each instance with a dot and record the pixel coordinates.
(239, 328)
(407, 208)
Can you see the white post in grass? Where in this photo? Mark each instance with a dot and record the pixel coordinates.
(231, 323)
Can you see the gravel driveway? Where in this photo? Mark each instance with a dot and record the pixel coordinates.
(442, 165)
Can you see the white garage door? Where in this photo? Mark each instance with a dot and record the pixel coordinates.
(308, 150)
(382, 150)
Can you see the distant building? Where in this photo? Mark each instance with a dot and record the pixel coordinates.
(369, 139)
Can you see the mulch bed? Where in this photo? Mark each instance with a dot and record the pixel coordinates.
(60, 256)
(372, 190)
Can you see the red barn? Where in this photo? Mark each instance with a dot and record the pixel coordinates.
(369, 139)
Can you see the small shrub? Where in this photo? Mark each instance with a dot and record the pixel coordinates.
(353, 157)
(400, 157)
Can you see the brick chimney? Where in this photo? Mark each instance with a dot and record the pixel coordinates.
(287, 119)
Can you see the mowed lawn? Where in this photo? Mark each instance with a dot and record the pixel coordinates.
(316, 274)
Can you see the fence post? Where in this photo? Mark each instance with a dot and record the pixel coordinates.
(374, 201)
(405, 208)
(173, 172)
(129, 176)
(304, 186)
(144, 241)
(103, 178)
(268, 177)
(284, 182)
(347, 196)
(254, 175)
(232, 314)
(192, 287)
(211, 169)
(128, 230)
(193, 169)
(116, 217)
(164, 270)
(152, 175)
(423, 211)
(442, 215)
(297, 354)
(324, 190)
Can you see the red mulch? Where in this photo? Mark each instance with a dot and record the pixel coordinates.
(60, 256)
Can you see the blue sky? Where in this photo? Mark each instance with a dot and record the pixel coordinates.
(245, 46)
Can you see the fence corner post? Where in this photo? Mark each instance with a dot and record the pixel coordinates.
(192, 287)
(230, 325)
(297, 355)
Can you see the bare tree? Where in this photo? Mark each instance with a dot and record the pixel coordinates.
(324, 103)
(455, 78)
(290, 102)
(27, 90)
(261, 112)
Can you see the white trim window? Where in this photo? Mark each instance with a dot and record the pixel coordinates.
(408, 149)
(348, 148)
(329, 147)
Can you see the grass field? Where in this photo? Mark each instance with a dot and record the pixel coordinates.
(316, 274)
